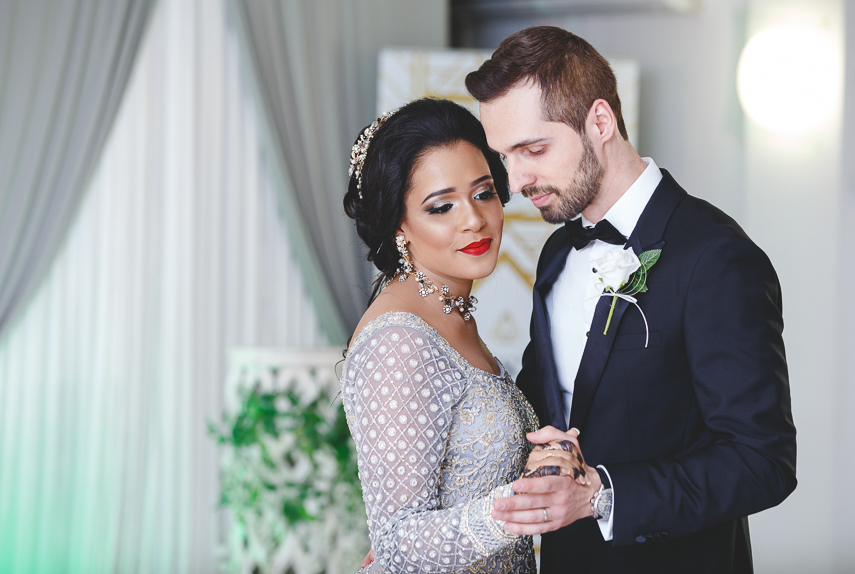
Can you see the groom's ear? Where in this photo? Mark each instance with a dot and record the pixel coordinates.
(601, 123)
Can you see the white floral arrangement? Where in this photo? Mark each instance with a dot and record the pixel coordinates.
(289, 481)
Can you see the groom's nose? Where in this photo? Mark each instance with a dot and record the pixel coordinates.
(517, 178)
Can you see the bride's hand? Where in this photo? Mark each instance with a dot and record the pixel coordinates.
(554, 459)
(557, 457)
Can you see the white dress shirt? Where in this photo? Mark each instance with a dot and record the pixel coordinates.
(575, 293)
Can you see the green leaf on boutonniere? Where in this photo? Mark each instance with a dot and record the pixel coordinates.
(638, 281)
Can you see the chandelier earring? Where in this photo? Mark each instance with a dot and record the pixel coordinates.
(426, 286)
(406, 267)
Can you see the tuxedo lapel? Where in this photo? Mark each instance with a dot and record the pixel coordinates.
(552, 394)
(648, 234)
(597, 350)
(547, 276)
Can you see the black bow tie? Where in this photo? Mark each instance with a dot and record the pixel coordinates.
(582, 236)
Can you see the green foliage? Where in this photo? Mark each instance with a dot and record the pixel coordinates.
(288, 461)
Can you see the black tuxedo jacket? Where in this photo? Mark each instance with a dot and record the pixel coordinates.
(695, 430)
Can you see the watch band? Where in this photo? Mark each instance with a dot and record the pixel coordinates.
(604, 478)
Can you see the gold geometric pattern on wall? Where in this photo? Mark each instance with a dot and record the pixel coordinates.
(405, 75)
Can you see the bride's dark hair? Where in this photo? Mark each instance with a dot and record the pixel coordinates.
(393, 155)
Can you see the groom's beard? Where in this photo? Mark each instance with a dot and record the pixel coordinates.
(582, 191)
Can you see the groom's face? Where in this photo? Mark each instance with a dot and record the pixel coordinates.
(548, 162)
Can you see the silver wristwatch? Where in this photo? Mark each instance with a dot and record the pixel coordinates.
(601, 504)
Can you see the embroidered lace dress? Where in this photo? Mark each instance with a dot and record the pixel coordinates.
(438, 441)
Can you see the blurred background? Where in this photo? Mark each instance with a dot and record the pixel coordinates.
(178, 279)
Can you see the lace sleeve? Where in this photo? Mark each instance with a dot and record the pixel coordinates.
(398, 390)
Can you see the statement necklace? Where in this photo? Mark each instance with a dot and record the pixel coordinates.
(449, 301)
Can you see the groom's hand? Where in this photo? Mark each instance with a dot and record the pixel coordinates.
(564, 500)
(550, 434)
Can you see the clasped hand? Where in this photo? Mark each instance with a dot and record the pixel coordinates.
(556, 487)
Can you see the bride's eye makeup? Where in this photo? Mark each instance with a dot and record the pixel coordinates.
(439, 207)
(484, 194)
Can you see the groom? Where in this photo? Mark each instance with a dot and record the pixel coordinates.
(680, 393)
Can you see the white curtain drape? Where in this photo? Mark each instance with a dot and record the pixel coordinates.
(316, 62)
(63, 69)
(110, 374)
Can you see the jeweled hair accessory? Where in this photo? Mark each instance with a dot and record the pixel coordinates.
(360, 149)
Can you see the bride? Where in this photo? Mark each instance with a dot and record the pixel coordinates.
(440, 427)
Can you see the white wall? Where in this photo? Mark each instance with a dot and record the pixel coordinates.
(792, 185)
(841, 474)
(691, 121)
(796, 199)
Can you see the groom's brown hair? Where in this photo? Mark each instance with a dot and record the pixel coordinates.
(570, 72)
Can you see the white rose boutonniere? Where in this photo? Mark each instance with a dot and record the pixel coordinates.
(624, 275)
(615, 267)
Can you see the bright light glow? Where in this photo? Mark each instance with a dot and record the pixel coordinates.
(789, 79)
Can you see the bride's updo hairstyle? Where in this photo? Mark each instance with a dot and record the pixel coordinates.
(394, 152)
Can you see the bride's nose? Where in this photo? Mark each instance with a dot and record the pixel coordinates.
(472, 218)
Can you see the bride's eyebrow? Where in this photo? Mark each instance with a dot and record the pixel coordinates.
(452, 189)
(440, 192)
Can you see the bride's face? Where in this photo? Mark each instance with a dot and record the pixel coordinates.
(453, 217)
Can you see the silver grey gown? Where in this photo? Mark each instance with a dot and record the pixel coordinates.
(438, 441)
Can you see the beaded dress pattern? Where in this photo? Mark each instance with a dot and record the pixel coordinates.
(438, 441)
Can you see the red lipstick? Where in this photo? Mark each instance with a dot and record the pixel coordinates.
(478, 247)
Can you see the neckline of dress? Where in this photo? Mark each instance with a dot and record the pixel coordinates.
(370, 328)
